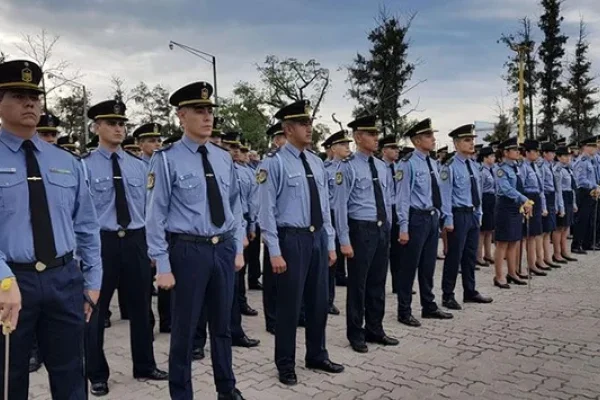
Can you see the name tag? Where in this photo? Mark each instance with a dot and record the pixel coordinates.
(8, 170)
(60, 171)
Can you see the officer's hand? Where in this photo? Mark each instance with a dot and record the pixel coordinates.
(449, 228)
(347, 251)
(252, 236)
(403, 238)
(332, 258)
(561, 214)
(10, 305)
(93, 296)
(245, 242)
(575, 209)
(527, 207)
(239, 262)
(165, 281)
(545, 213)
(278, 264)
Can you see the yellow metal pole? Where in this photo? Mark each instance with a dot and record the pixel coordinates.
(521, 50)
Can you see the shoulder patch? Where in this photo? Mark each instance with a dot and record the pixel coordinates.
(164, 148)
(339, 177)
(449, 162)
(407, 157)
(151, 180)
(133, 155)
(444, 175)
(350, 157)
(312, 151)
(500, 173)
(261, 176)
(399, 175)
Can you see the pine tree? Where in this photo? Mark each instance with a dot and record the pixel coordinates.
(551, 52)
(580, 114)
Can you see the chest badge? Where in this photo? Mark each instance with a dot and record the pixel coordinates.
(151, 181)
(500, 173)
(339, 178)
(261, 176)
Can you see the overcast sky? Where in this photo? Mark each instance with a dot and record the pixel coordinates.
(454, 40)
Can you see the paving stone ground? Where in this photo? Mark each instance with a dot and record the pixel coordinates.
(540, 343)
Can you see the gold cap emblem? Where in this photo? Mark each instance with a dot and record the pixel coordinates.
(26, 75)
(156, 128)
(204, 93)
(117, 108)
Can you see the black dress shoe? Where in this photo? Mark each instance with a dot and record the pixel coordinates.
(248, 311)
(501, 285)
(515, 281)
(578, 250)
(451, 304)
(409, 321)
(164, 329)
(383, 340)
(522, 276)
(483, 263)
(198, 354)
(537, 273)
(478, 298)
(154, 375)
(288, 378)
(107, 323)
(333, 310)
(440, 257)
(271, 330)
(476, 269)
(34, 363)
(99, 389)
(255, 286)
(556, 260)
(233, 395)
(245, 341)
(436, 314)
(414, 292)
(325, 365)
(551, 264)
(542, 267)
(490, 260)
(568, 258)
(359, 347)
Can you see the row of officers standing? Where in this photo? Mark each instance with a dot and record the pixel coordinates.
(92, 223)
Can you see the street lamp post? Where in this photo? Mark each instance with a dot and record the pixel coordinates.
(203, 55)
(521, 50)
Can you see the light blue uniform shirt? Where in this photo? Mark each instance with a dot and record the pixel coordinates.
(585, 173)
(248, 194)
(331, 167)
(564, 183)
(392, 178)
(176, 201)
(354, 197)
(284, 195)
(134, 174)
(456, 187)
(413, 188)
(506, 182)
(146, 158)
(488, 182)
(549, 181)
(532, 180)
(74, 220)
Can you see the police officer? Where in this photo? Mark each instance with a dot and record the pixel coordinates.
(46, 213)
(461, 210)
(131, 146)
(148, 139)
(92, 144)
(390, 152)
(216, 136)
(487, 158)
(362, 207)
(586, 179)
(195, 235)
(418, 204)
(566, 189)
(553, 199)
(338, 146)
(67, 143)
(295, 221)
(47, 128)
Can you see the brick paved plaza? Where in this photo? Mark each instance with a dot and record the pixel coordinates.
(537, 344)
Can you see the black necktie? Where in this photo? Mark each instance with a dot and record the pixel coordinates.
(316, 214)
(573, 184)
(393, 174)
(474, 191)
(436, 197)
(379, 203)
(123, 216)
(533, 166)
(594, 165)
(520, 187)
(215, 201)
(41, 223)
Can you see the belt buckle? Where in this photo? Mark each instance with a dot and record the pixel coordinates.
(121, 233)
(311, 228)
(432, 212)
(40, 266)
(214, 240)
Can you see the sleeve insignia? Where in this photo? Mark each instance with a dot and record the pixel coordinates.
(399, 175)
(339, 178)
(500, 173)
(261, 176)
(151, 181)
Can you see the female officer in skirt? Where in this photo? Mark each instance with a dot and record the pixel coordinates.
(553, 200)
(486, 158)
(565, 187)
(510, 204)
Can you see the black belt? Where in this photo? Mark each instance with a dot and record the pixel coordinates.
(216, 239)
(463, 209)
(377, 224)
(121, 233)
(40, 266)
(422, 212)
(290, 229)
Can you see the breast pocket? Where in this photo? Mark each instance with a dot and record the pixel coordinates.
(191, 188)
(294, 185)
(136, 188)
(62, 189)
(421, 178)
(12, 191)
(364, 183)
(225, 184)
(102, 191)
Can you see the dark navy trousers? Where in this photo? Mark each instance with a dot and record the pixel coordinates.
(269, 292)
(367, 272)
(462, 253)
(52, 310)
(253, 261)
(306, 278)
(204, 276)
(395, 250)
(420, 254)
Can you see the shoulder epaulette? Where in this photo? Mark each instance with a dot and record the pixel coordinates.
(220, 147)
(77, 156)
(350, 157)
(86, 155)
(133, 155)
(449, 162)
(314, 152)
(407, 157)
(164, 148)
(273, 152)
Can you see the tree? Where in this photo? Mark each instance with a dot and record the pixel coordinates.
(579, 114)
(70, 110)
(503, 127)
(551, 52)
(378, 80)
(245, 112)
(3, 56)
(319, 132)
(523, 38)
